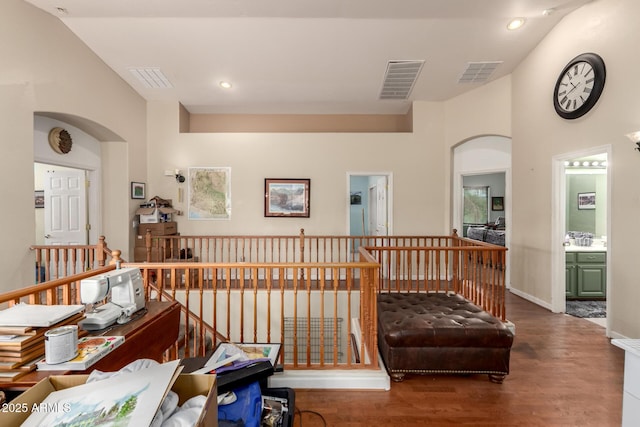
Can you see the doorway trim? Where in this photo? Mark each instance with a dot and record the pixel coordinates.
(558, 218)
(389, 176)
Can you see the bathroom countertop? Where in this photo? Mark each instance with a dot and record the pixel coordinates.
(595, 247)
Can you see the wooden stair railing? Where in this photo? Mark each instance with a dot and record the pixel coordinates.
(65, 290)
(57, 261)
(192, 326)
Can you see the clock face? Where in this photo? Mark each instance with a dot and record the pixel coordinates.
(579, 86)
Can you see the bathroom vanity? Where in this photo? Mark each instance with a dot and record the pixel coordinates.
(586, 272)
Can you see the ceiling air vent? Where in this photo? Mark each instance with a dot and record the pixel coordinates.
(152, 78)
(399, 79)
(478, 72)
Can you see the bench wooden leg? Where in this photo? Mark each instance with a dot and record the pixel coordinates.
(397, 376)
(497, 378)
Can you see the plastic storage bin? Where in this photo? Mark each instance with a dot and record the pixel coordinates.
(247, 407)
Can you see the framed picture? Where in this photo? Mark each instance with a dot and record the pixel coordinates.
(226, 353)
(497, 203)
(586, 200)
(39, 199)
(209, 195)
(286, 197)
(356, 198)
(137, 190)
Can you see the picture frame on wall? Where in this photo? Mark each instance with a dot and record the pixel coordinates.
(497, 204)
(284, 197)
(209, 196)
(39, 199)
(587, 200)
(138, 190)
(356, 198)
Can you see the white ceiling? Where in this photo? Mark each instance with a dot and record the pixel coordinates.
(303, 56)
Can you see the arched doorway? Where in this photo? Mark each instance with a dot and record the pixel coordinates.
(482, 159)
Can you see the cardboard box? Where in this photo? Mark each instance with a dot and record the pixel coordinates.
(155, 214)
(186, 386)
(159, 229)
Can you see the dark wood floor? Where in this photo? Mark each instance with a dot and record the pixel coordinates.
(564, 372)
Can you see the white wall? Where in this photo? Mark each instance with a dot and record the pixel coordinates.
(606, 27)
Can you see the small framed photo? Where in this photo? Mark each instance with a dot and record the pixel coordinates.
(286, 197)
(497, 203)
(586, 200)
(138, 190)
(356, 198)
(39, 199)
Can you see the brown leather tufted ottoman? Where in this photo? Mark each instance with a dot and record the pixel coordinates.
(440, 333)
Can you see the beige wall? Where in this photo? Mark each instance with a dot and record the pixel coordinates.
(46, 68)
(607, 28)
(414, 159)
(51, 70)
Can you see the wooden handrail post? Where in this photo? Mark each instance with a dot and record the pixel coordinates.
(115, 258)
(147, 244)
(101, 253)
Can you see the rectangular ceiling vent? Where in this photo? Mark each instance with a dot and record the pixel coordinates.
(478, 72)
(151, 78)
(400, 78)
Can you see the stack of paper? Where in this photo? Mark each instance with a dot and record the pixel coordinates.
(22, 329)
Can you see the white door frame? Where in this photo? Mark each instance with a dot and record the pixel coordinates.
(558, 218)
(389, 176)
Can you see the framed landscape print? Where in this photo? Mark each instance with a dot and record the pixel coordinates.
(39, 199)
(138, 190)
(285, 197)
(586, 200)
(497, 203)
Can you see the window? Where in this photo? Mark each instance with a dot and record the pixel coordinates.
(476, 205)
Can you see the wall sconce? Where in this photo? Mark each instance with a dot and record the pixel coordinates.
(179, 177)
(635, 138)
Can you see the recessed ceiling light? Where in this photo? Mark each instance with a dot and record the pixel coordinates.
(515, 23)
(62, 11)
(225, 85)
(548, 12)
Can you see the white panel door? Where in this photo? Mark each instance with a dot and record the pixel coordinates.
(381, 206)
(65, 216)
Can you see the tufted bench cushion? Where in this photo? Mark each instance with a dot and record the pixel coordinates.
(440, 333)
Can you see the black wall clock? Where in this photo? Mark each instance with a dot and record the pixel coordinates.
(579, 86)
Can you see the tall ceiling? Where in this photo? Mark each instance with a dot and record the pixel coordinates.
(302, 56)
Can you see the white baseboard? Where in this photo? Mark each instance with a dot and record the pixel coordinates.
(531, 298)
(355, 379)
